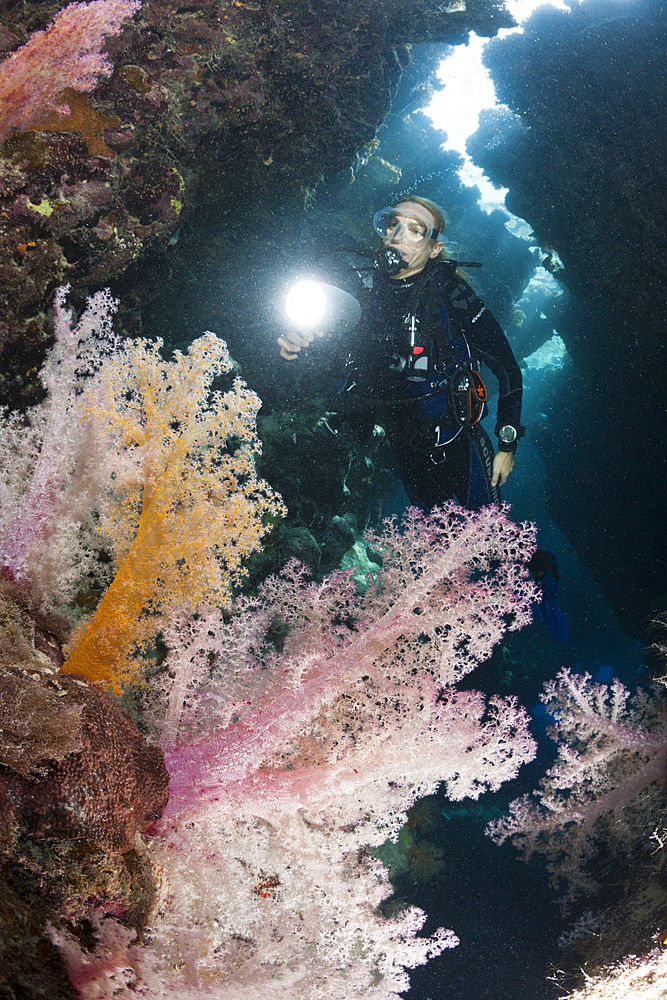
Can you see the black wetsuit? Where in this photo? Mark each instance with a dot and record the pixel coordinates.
(399, 371)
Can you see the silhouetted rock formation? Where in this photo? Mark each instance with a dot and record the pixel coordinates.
(582, 151)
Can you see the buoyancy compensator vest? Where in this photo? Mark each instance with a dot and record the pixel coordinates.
(439, 370)
(435, 367)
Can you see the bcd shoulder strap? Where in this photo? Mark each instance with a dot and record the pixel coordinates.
(451, 345)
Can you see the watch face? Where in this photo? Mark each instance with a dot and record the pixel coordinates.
(507, 434)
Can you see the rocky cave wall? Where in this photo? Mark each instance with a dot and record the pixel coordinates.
(582, 152)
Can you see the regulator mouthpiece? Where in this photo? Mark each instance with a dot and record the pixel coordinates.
(392, 259)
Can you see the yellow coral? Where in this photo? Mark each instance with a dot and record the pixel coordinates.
(189, 509)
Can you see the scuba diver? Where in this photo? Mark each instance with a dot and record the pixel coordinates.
(413, 365)
(543, 567)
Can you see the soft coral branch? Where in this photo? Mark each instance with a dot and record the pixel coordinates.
(612, 749)
(69, 461)
(450, 586)
(67, 54)
(136, 454)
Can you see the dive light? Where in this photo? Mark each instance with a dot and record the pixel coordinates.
(319, 306)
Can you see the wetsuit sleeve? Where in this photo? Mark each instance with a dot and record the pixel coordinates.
(489, 344)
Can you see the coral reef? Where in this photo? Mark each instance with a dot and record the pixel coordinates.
(31, 966)
(597, 817)
(56, 462)
(180, 532)
(67, 54)
(123, 445)
(641, 977)
(136, 455)
(107, 789)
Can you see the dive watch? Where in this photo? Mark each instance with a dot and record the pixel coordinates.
(507, 434)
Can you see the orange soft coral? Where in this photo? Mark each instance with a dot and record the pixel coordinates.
(181, 526)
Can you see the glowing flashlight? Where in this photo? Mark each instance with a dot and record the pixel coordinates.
(320, 306)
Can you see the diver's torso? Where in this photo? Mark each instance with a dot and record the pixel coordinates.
(402, 339)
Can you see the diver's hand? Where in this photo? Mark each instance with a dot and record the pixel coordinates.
(503, 463)
(291, 342)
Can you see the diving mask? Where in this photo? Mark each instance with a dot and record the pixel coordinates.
(408, 227)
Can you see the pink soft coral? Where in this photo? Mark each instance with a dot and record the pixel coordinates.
(300, 731)
(450, 586)
(57, 464)
(612, 749)
(67, 54)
